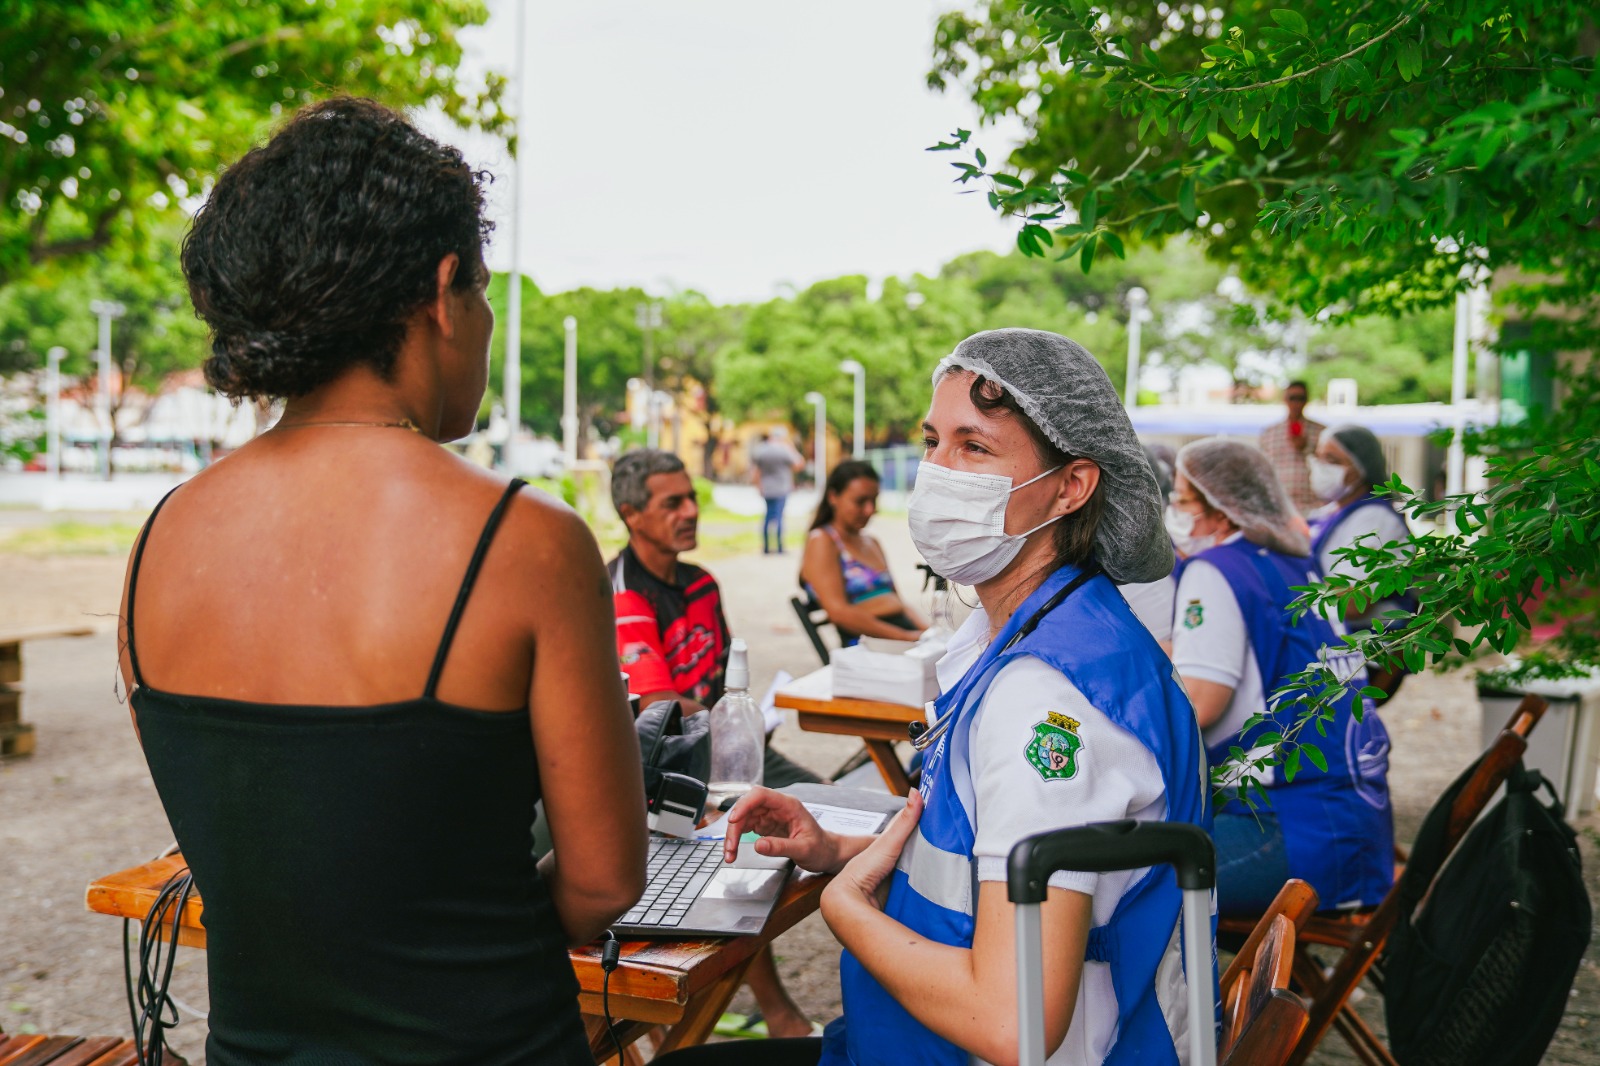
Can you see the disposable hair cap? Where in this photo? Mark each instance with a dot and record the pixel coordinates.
(1066, 393)
(1237, 479)
(1364, 451)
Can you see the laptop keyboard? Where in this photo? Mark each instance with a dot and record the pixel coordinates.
(676, 873)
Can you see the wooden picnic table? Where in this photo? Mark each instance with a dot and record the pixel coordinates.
(684, 984)
(16, 736)
(879, 723)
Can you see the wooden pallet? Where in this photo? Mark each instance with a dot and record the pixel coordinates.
(16, 736)
(16, 740)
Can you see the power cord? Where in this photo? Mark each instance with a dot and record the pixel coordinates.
(148, 1002)
(610, 956)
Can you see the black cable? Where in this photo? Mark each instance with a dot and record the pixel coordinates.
(148, 1001)
(610, 956)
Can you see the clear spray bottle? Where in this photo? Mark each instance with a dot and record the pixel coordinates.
(738, 732)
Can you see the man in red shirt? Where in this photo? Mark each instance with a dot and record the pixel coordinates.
(672, 639)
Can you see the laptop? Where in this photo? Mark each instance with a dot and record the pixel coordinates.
(690, 890)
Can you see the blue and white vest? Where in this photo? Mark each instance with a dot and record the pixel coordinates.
(1093, 639)
(1322, 529)
(1338, 827)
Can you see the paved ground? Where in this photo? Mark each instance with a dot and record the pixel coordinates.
(83, 805)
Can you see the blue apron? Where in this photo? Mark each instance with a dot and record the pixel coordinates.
(1338, 827)
(1322, 529)
(1093, 639)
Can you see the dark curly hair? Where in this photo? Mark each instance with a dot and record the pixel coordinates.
(315, 248)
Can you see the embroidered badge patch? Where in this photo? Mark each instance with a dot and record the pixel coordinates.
(1193, 615)
(1053, 748)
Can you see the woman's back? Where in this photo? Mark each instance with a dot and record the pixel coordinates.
(365, 852)
(356, 660)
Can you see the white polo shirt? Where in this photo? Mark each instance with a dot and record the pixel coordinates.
(1113, 776)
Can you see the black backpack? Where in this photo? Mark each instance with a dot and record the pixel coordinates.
(1482, 972)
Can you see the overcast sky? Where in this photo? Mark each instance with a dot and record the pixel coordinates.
(730, 146)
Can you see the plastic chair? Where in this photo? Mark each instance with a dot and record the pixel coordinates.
(1359, 937)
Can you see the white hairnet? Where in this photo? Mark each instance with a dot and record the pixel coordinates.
(1238, 480)
(1061, 388)
(1364, 451)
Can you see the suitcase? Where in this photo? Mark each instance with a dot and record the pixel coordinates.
(1098, 848)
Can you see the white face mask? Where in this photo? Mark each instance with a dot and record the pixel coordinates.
(1327, 479)
(1180, 527)
(958, 522)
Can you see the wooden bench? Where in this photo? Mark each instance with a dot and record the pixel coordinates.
(16, 736)
(35, 1050)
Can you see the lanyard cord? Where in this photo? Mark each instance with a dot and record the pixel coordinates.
(923, 734)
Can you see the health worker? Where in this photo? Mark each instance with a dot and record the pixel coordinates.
(1058, 709)
(1346, 469)
(1235, 644)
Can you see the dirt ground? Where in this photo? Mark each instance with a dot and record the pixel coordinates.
(83, 804)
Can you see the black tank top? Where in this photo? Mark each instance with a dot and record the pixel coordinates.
(367, 873)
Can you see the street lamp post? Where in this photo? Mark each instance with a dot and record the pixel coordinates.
(858, 442)
(819, 439)
(105, 310)
(511, 383)
(569, 394)
(53, 434)
(648, 317)
(1137, 299)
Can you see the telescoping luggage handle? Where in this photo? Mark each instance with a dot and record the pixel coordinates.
(1099, 848)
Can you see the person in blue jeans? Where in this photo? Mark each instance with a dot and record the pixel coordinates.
(773, 465)
(1234, 641)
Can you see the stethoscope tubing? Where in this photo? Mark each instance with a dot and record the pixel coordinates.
(925, 734)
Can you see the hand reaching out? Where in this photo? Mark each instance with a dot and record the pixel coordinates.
(786, 828)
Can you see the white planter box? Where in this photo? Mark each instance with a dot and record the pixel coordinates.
(1565, 745)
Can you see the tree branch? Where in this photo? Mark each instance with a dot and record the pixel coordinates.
(282, 33)
(97, 239)
(1297, 75)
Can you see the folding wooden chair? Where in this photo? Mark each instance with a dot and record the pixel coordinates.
(1359, 938)
(1262, 1018)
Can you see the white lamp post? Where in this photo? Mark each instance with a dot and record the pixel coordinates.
(569, 394)
(859, 437)
(105, 310)
(511, 385)
(53, 434)
(1137, 299)
(819, 439)
(648, 318)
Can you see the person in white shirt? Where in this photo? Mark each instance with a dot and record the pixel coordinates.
(1235, 644)
(1059, 709)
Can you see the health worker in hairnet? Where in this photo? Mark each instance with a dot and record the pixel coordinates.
(1347, 467)
(1234, 644)
(1058, 709)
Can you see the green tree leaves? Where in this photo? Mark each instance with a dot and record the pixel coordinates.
(115, 111)
(1343, 154)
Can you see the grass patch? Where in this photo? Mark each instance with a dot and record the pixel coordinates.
(73, 538)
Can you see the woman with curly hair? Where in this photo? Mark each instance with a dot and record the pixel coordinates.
(344, 669)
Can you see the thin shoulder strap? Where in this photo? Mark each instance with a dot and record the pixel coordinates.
(467, 581)
(133, 584)
(838, 542)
